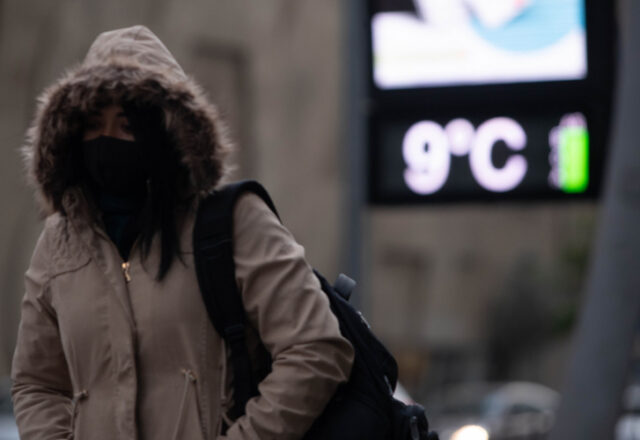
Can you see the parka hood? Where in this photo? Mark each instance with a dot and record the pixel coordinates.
(128, 64)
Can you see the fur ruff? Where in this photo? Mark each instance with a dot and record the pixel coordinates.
(191, 120)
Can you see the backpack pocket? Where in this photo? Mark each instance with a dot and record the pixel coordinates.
(351, 416)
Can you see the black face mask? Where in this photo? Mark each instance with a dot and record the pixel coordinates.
(115, 166)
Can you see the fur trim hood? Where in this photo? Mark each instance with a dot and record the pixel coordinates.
(126, 64)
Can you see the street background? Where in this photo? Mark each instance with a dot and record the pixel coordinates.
(461, 292)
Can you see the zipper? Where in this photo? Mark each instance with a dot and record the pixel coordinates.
(189, 378)
(125, 265)
(125, 270)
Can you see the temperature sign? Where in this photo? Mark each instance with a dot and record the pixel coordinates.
(427, 148)
(465, 156)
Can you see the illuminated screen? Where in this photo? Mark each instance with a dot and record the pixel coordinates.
(490, 155)
(433, 43)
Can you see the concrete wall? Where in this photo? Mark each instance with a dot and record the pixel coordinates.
(440, 277)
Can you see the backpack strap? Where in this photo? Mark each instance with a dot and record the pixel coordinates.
(215, 269)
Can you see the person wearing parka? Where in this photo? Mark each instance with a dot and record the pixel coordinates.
(106, 349)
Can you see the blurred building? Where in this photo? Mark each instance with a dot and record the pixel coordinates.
(458, 291)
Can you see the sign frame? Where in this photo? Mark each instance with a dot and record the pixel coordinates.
(591, 96)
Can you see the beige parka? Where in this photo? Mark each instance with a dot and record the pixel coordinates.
(107, 353)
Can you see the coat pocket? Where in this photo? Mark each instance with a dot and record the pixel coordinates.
(188, 421)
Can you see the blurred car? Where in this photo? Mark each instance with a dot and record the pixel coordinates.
(8, 428)
(495, 411)
(628, 426)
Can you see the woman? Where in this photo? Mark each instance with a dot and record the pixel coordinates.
(114, 340)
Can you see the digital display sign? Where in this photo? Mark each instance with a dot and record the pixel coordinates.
(488, 99)
(482, 156)
(458, 42)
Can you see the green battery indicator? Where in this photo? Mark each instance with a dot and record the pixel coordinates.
(570, 154)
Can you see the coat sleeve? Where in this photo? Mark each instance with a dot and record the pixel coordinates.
(285, 303)
(41, 388)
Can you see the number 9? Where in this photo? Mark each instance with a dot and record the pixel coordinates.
(425, 149)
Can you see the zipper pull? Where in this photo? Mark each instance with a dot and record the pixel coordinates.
(125, 271)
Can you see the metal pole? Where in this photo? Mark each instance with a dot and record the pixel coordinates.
(354, 71)
(598, 370)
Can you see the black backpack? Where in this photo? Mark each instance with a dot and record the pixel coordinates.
(361, 409)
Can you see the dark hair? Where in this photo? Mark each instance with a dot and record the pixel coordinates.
(168, 194)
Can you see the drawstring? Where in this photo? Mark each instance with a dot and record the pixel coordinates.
(226, 420)
(188, 377)
(77, 397)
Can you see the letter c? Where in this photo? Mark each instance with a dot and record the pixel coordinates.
(487, 135)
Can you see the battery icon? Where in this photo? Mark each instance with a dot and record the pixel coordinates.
(569, 157)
